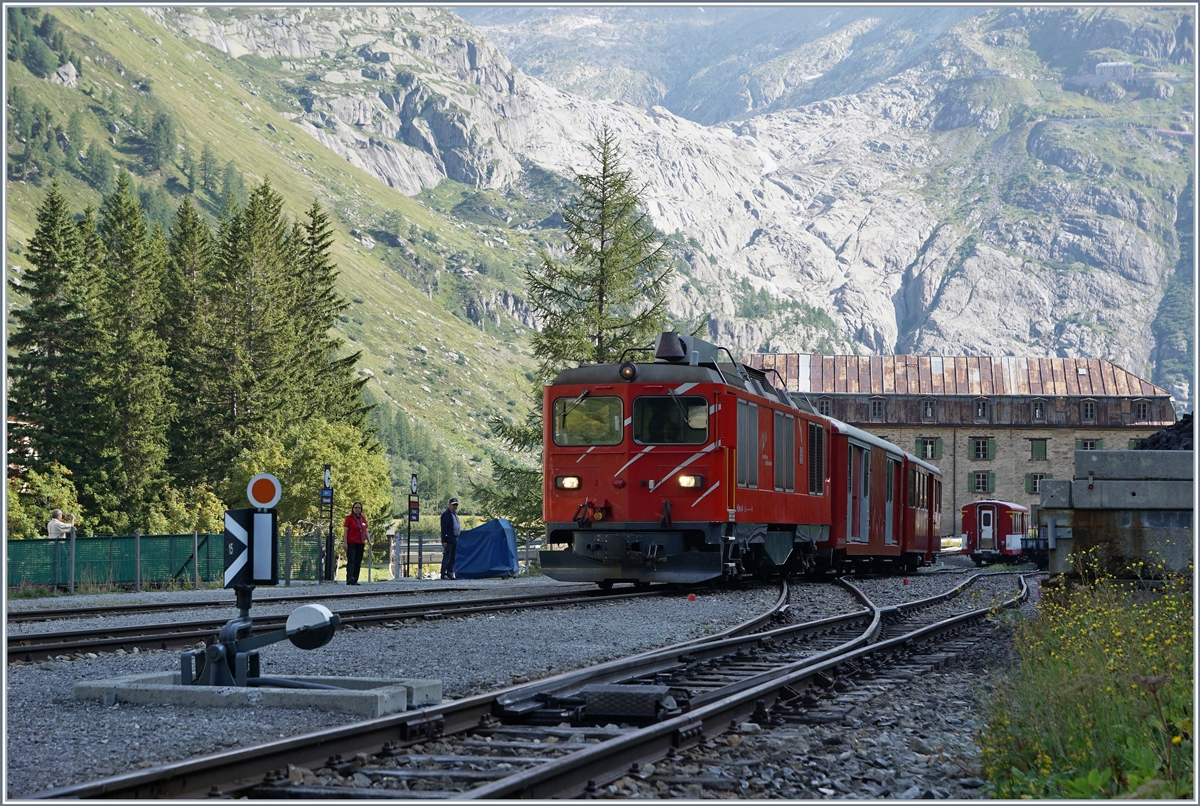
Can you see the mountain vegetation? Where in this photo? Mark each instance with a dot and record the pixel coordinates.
(835, 179)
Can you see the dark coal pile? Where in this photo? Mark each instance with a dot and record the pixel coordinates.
(1176, 438)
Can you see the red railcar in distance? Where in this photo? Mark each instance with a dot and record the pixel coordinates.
(693, 467)
(994, 530)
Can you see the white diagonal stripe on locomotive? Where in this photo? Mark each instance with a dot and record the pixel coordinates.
(706, 492)
(707, 449)
(639, 455)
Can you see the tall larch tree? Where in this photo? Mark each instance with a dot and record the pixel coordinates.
(609, 296)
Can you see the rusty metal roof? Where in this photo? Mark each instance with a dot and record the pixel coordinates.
(953, 375)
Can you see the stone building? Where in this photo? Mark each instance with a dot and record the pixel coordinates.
(996, 427)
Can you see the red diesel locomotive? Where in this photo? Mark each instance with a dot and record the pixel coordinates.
(693, 468)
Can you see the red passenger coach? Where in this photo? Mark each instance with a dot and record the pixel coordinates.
(695, 467)
(994, 530)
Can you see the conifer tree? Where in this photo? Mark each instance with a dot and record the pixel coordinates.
(135, 409)
(208, 169)
(332, 388)
(184, 330)
(609, 297)
(48, 364)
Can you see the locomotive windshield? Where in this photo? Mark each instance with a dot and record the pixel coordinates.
(585, 420)
(670, 420)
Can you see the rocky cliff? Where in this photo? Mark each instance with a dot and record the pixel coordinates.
(909, 182)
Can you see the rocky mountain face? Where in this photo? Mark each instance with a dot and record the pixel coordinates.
(852, 180)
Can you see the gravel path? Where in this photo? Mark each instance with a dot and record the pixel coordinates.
(54, 740)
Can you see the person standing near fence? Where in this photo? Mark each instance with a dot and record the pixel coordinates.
(451, 529)
(58, 528)
(356, 540)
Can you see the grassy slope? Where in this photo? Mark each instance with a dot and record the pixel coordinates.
(388, 316)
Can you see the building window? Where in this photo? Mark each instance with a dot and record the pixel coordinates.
(983, 448)
(929, 447)
(928, 409)
(1087, 444)
(1037, 450)
(825, 406)
(981, 410)
(1039, 410)
(1035, 482)
(982, 481)
(1141, 410)
(1088, 409)
(876, 409)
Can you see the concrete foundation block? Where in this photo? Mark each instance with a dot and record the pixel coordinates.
(369, 697)
(1147, 465)
(1131, 494)
(1056, 493)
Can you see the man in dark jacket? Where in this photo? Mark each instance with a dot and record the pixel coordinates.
(451, 529)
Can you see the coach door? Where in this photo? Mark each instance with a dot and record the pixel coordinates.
(987, 527)
(893, 483)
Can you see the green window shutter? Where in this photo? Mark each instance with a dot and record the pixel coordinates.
(1079, 444)
(1047, 476)
(991, 449)
(991, 482)
(1029, 483)
(917, 448)
(970, 482)
(1037, 449)
(937, 448)
(1099, 444)
(1132, 445)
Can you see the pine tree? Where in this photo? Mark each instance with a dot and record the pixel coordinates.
(184, 329)
(75, 135)
(135, 410)
(253, 342)
(208, 169)
(233, 188)
(160, 141)
(48, 365)
(331, 388)
(97, 167)
(610, 297)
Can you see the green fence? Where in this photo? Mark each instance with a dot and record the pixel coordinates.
(164, 559)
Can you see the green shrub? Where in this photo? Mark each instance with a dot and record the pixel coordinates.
(1099, 703)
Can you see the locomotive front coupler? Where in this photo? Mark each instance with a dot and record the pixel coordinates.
(234, 659)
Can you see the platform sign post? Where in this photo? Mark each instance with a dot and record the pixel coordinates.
(326, 514)
(414, 514)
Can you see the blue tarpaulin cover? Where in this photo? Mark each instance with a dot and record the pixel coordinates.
(488, 550)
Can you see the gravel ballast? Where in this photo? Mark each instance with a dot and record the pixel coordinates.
(54, 740)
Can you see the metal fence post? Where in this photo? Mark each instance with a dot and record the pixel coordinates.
(137, 560)
(396, 555)
(72, 574)
(196, 557)
(287, 557)
(420, 556)
(320, 558)
(370, 559)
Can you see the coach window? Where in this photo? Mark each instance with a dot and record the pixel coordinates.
(981, 410)
(747, 444)
(825, 406)
(877, 409)
(816, 459)
(670, 420)
(585, 420)
(785, 452)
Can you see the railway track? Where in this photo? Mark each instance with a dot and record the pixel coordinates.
(329, 594)
(566, 735)
(38, 646)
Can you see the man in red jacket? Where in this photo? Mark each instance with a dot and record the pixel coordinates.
(356, 540)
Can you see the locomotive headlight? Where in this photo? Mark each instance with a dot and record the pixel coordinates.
(691, 480)
(567, 482)
(628, 371)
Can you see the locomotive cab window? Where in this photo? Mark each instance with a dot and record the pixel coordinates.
(585, 420)
(670, 420)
